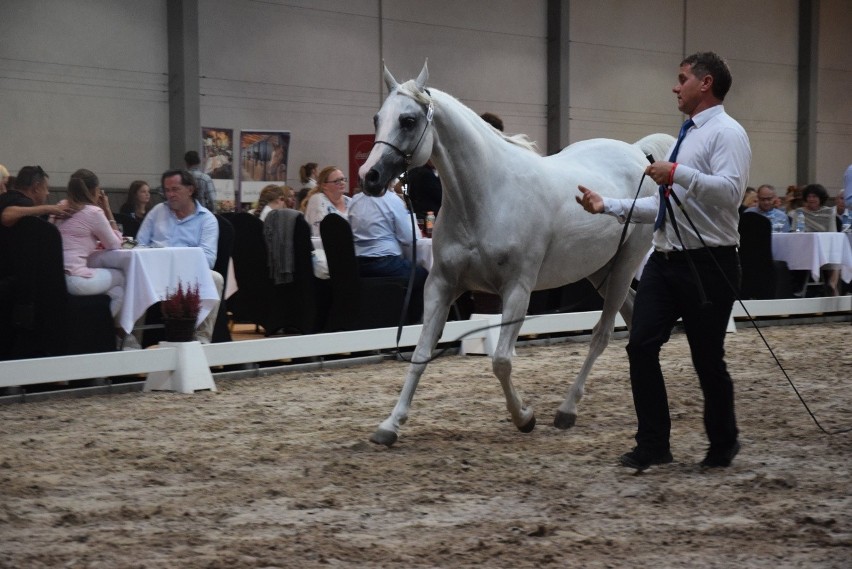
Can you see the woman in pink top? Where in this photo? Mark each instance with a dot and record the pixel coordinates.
(91, 227)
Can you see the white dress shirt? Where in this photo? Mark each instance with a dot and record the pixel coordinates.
(710, 180)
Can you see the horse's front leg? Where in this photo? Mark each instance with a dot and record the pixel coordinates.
(436, 306)
(615, 297)
(515, 304)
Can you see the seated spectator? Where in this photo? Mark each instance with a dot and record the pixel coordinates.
(749, 199)
(821, 218)
(29, 198)
(818, 216)
(329, 196)
(138, 201)
(380, 226)
(289, 197)
(271, 197)
(793, 198)
(840, 208)
(181, 221)
(766, 206)
(424, 189)
(92, 227)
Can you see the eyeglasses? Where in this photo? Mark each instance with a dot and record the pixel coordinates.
(337, 181)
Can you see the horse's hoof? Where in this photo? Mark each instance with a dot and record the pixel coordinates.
(383, 437)
(564, 420)
(529, 426)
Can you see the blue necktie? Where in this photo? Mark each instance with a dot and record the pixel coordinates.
(661, 213)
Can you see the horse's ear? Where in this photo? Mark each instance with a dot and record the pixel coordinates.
(389, 80)
(423, 77)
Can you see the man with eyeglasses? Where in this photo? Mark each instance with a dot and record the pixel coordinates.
(29, 198)
(766, 207)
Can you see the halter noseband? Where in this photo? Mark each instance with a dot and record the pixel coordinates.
(430, 112)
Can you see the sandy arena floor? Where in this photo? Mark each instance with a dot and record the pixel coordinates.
(277, 471)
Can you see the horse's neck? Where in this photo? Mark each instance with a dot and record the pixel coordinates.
(463, 153)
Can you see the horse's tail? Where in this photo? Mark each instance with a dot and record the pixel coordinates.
(657, 145)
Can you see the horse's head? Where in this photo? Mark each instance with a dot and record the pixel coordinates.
(403, 133)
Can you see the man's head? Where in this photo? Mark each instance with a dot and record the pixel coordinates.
(766, 197)
(703, 81)
(179, 188)
(493, 120)
(191, 158)
(32, 181)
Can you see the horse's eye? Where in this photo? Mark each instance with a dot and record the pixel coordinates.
(407, 122)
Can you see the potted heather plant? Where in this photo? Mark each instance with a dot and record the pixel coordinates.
(180, 312)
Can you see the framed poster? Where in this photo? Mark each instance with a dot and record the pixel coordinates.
(360, 146)
(217, 161)
(263, 159)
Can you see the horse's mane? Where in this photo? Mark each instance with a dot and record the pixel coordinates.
(425, 98)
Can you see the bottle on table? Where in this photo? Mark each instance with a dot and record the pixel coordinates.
(430, 223)
(800, 221)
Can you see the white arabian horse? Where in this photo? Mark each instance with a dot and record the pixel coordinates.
(509, 224)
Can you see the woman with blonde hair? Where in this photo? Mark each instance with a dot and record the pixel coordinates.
(329, 196)
(91, 227)
(271, 197)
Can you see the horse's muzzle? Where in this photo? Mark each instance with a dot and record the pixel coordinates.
(372, 183)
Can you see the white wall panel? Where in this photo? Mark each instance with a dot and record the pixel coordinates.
(80, 94)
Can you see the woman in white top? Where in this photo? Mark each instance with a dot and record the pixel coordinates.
(329, 196)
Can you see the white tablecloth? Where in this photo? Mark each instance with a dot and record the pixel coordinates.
(424, 251)
(150, 272)
(810, 251)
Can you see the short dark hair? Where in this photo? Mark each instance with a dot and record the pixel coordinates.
(191, 158)
(706, 63)
(493, 120)
(186, 179)
(29, 176)
(818, 190)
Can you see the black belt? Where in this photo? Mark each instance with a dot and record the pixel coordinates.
(368, 260)
(697, 254)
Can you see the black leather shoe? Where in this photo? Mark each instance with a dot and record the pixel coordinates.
(720, 458)
(641, 459)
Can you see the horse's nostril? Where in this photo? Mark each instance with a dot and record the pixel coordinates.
(371, 180)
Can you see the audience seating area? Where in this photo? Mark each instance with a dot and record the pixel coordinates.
(39, 317)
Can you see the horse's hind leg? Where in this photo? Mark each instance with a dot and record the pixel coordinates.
(614, 295)
(437, 297)
(514, 310)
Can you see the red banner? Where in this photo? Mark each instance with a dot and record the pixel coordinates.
(359, 149)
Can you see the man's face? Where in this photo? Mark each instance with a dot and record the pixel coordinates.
(765, 200)
(39, 192)
(688, 90)
(178, 196)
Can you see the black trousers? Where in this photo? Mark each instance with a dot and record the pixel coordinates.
(668, 291)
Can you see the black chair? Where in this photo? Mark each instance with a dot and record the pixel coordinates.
(39, 317)
(224, 251)
(357, 302)
(129, 224)
(762, 277)
(295, 307)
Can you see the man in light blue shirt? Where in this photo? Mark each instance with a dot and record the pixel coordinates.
(765, 207)
(181, 221)
(380, 225)
(847, 187)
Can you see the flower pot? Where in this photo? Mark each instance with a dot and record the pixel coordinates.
(179, 329)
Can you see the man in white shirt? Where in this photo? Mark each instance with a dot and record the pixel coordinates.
(766, 207)
(181, 221)
(682, 279)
